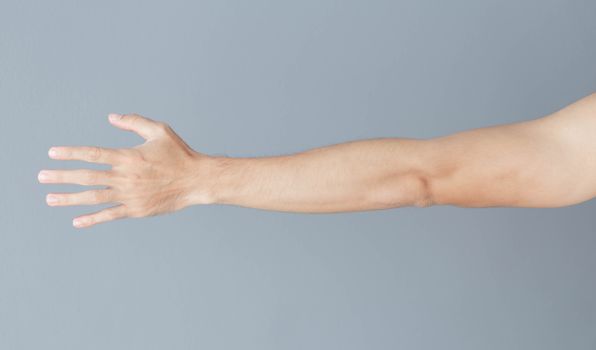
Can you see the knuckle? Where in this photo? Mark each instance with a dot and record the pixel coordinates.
(56, 176)
(94, 153)
(95, 177)
(70, 199)
(65, 152)
(90, 176)
(134, 118)
(137, 154)
(162, 127)
(96, 196)
(138, 212)
(90, 220)
(118, 155)
(63, 199)
(111, 214)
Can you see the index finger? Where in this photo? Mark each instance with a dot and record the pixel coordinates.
(85, 153)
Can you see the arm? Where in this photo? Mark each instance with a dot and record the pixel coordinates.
(546, 162)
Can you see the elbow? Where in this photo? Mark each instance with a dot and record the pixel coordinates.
(414, 190)
(424, 195)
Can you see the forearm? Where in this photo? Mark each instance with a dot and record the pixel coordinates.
(361, 175)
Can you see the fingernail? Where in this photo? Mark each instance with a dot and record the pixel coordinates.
(50, 199)
(77, 222)
(42, 176)
(53, 152)
(114, 117)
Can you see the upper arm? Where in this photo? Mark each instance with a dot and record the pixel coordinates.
(573, 130)
(547, 162)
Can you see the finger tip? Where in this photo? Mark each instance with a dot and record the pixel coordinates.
(51, 199)
(42, 176)
(114, 117)
(53, 152)
(82, 222)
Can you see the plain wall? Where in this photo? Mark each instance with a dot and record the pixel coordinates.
(251, 78)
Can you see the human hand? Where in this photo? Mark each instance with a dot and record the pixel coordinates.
(159, 176)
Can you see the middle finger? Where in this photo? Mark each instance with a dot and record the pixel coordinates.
(84, 177)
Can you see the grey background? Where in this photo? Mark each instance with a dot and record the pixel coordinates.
(269, 77)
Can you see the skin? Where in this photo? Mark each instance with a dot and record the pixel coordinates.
(546, 162)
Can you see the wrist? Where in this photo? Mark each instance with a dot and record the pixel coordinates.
(197, 180)
(209, 178)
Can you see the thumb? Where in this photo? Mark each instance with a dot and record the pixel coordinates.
(144, 127)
